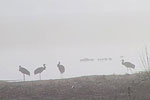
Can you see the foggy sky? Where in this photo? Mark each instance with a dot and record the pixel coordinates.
(33, 32)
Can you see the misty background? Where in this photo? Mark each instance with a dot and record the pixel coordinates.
(37, 32)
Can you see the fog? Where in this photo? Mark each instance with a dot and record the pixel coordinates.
(36, 32)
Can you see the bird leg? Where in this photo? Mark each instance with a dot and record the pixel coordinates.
(40, 76)
(61, 75)
(23, 77)
(131, 70)
(127, 70)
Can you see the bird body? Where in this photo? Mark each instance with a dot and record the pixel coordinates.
(40, 69)
(24, 71)
(61, 68)
(128, 64)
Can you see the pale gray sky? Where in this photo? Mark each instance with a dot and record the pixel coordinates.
(33, 32)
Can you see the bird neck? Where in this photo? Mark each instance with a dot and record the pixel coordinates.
(58, 64)
(44, 67)
(123, 62)
(19, 68)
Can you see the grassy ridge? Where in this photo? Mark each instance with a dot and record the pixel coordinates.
(109, 87)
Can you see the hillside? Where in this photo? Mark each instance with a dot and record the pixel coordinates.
(110, 87)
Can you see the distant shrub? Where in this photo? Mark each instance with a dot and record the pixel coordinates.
(145, 60)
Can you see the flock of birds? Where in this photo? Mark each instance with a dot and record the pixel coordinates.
(39, 70)
(61, 68)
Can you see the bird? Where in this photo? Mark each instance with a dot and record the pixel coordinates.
(24, 72)
(40, 70)
(128, 65)
(61, 69)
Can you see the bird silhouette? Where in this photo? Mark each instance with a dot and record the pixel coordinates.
(61, 69)
(24, 72)
(128, 65)
(40, 70)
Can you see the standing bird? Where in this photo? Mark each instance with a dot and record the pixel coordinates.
(24, 71)
(40, 70)
(128, 65)
(61, 69)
